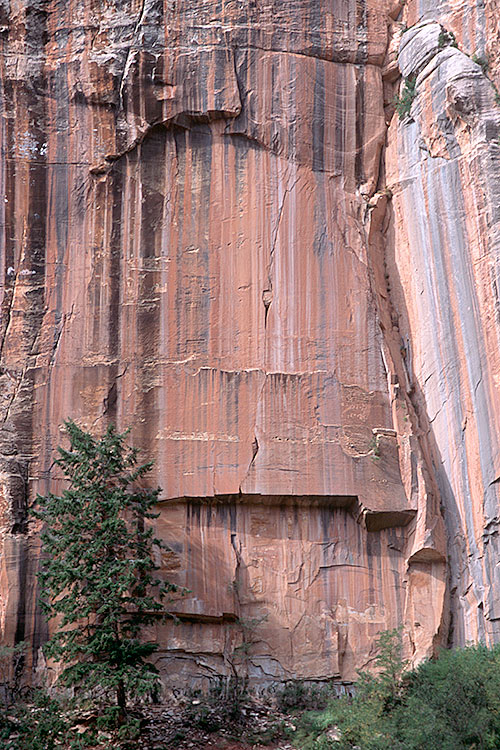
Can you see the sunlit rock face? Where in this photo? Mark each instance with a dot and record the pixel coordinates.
(443, 163)
(215, 230)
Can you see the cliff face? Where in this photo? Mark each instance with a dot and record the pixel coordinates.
(215, 230)
(444, 261)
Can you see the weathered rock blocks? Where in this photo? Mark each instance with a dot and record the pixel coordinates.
(309, 587)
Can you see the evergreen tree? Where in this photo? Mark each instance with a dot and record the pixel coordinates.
(98, 576)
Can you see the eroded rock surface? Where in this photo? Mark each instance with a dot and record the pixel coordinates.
(216, 231)
(444, 169)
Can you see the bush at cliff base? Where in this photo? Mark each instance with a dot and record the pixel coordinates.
(450, 703)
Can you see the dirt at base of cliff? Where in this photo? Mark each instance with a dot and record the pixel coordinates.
(228, 717)
(195, 725)
(224, 745)
(217, 742)
(189, 724)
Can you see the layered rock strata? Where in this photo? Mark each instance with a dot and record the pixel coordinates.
(211, 234)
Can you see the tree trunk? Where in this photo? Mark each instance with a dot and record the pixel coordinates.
(121, 699)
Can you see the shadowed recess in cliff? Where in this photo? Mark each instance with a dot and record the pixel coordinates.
(372, 520)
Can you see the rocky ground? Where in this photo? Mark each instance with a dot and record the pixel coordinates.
(228, 717)
(200, 723)
(194, 724)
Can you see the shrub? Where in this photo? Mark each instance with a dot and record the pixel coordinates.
(296, 695)
(37, 725)
(453, 703)
(447, 39)
(405, 100)
(223, 704)
(450, 703)
(481, 61)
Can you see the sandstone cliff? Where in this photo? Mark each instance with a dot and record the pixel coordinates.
(216, 230)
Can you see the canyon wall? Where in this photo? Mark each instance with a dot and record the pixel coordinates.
(443, 255)
(217, 231)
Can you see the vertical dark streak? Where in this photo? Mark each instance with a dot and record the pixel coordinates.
(360, 124)
(116, 191)
(318, 123)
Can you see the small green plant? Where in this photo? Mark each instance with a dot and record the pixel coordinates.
(390, 663)
(223, 704)
(249, 632)
(296, 695)
(374, 447)
(361, 721)
(271, 734)
(447, 39)
(483, 62)
(405, 100)
(37, 725)
(44, 722)
(11, 666)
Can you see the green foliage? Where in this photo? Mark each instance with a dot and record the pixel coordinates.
(44, 722)
(99, 577)
(483, 62)
(364, 720)
(403, 103)
(249, 635)
(390, 663)
(11, 664)
(271, 734)
(295, 695)
(38, 725)
(450, 703)
(447, 39)
(224, 704)
(374, 448)
(453, 703)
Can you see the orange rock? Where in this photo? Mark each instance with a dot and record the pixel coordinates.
(212, 235)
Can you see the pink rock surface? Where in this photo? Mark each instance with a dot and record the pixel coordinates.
(443, 263)
(215, 231)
